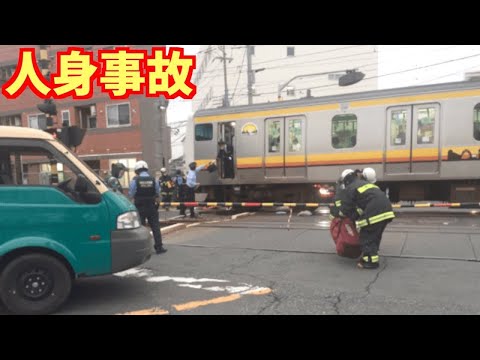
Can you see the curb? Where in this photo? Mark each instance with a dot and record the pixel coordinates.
(172, 228)
(234, 217)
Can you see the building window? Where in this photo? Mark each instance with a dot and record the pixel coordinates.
(6, 72)
(204, 132)
(476, 122)
(290, 51)
(344, 131)
(426, 126)
(118, 115)
(38, 121)
(398, 126)
(66, 118)
(11, 120)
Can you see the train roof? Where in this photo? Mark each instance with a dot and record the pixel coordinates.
(365, 95)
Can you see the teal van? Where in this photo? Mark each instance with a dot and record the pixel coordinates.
(58, 222)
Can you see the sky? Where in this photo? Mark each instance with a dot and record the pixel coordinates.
(435, 64)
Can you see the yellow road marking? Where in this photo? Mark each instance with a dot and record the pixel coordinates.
(152, 311)
(196, 304)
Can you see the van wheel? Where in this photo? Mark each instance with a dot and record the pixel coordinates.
(35, 284)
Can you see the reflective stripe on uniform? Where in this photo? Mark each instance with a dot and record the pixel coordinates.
(376, 219)
(365, 187)
(359, 211)
(338, 203)
(374, 259)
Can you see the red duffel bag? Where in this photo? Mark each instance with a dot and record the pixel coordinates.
(346, 238)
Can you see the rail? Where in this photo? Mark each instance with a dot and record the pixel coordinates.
(311, 205)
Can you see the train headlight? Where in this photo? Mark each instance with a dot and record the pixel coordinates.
(325, 192)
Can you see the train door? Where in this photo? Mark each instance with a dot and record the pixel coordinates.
(413, 144)
(285, 147)
(226, 164)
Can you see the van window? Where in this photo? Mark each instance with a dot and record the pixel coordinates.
(344, 131)
(34, 166)
(204, 132)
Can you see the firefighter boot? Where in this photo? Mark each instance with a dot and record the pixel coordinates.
(369, 262)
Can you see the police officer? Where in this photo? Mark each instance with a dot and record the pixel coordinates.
(225, 157)
(180, 189)
(166, 186)
(112, 180)
(377, 212)
(192, 185)
(145, 189)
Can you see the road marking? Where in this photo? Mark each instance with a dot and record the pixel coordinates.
(195, 304)
(222, 299)
(181, 279)
(234, 292)
(152, 311)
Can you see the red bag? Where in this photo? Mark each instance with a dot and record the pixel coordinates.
(346, 238)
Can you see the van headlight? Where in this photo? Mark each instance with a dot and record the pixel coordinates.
(129, 220)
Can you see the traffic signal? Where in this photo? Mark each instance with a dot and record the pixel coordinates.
(71, 136)
(75, 136)
(48, 107)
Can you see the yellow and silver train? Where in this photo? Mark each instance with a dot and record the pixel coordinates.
(423, 142)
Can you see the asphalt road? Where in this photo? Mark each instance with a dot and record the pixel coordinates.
(247, 270)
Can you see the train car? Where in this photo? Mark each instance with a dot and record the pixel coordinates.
(423, 141)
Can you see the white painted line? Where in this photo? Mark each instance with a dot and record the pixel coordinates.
(234, 217)
(135, 272)
(172, 228)
(181, 279)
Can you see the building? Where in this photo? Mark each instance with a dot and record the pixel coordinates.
(117, 131)
(275, 65)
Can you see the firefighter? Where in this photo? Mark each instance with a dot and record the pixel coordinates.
(166, 186)
(113, 179)
(377, 212)
(144, 189)
(339, 193)
(369, 175)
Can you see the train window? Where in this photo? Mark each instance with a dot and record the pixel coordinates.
(344, 131)
(295, 135)
(426, 126)
(476, 122)
(204, 132)
(398, 124)
(274, 136)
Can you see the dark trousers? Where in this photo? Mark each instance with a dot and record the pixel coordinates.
(150, 213)
(371, 236)
(167, 197)
(189, 197)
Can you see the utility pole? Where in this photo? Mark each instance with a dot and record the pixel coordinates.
(250, 74)
(226, 102)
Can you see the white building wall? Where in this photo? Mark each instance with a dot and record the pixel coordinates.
(278, 69)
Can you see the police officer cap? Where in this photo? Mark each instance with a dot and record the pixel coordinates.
(221, 142)
(141, 165)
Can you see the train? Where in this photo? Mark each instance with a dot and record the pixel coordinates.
(423, 142)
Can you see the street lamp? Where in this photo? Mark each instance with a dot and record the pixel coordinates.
(351, 77)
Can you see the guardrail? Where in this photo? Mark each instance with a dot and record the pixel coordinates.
(311, 205)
